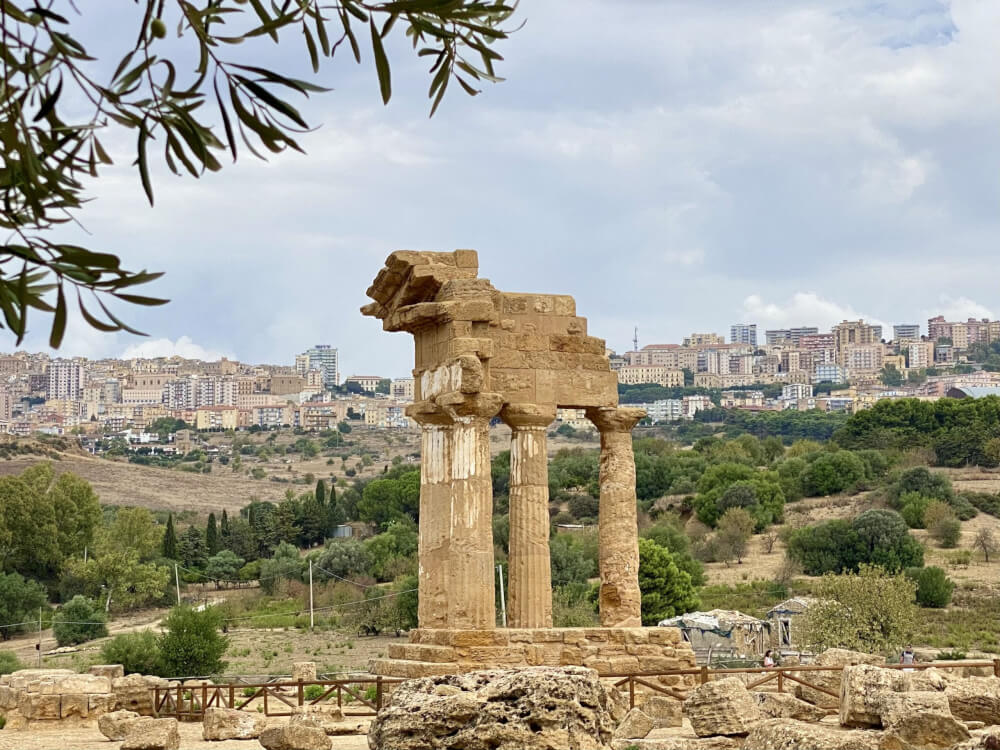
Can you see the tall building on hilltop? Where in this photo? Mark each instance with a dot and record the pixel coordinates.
(65, 379)
(788, 335)
(324, 358)
(853, 333)
(743, 333)
(906, 332)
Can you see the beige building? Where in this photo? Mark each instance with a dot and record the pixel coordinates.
(216, 418)
(638, 375)
(367, 383)
(920, 354)
(317, 415)
(704, 339)
(858, 358)
(852, 333)
(402, 389)
(286, 384)
(135, 396)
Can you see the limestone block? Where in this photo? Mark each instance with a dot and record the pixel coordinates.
(36, 706)
(721, 707)
(928, 679)
(635, 725)
(304, 671)
(527, 709)
(15, 721)
(71, 705)
(77, 684)
(296, 736)
(8, 698)
(20, 679)
(975, 699)
(861, 693)
(787, 706)
(115, 725)
(788, 734)
(111, 671)
(665, 712)
(101, 704)
(326, 716)
(147, 733)
(576, 344)
(135, 692)
(833, 657)
(230, 724)
(920, 720)
(674, 741)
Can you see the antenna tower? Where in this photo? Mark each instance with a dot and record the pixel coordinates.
(635, 340)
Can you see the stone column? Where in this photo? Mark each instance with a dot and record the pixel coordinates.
(435, 515)
(618, 532)
(471, 590)
(530, 582)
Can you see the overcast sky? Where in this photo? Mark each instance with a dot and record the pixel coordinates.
(676, 166)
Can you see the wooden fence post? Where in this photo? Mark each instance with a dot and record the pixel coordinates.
(378, 693)
(781, 681)
(301, 693)
(704, 675)
(996, 667)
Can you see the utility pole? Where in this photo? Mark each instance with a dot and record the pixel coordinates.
(311, 622)
(635, 340)
(503, 599)
(177, 583)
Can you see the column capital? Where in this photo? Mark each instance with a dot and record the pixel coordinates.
(426, 413)
(476, 405)
(520, 416)
(614, 418)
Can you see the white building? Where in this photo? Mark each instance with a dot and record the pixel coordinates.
(324, 358)
(65, 379)
(795, 391)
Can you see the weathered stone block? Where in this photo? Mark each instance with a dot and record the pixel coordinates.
(230, 724)
(36, 706)
(636, 725)
(115, 725)
(111, 671)
(722, 707)
(74, 706)
(861, 693)
(295, 736)
(147, 733)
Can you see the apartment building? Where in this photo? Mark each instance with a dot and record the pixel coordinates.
(691, 405)
(663, 410)
(829, 373)
(271, 416)
(796, 391)
(6, 405)
(367, 383)
(858, 358)
(906, 332)
(919, 354)
(638, 375)
(287, 384)
(321, 415)
(852, 333)
(742, 400)
(743, 333)
(791, 336)
(216, 417)
(402, 389)
(324, 358)
(704, 339)
(65, 379)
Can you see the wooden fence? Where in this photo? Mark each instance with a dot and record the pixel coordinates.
(357, 696)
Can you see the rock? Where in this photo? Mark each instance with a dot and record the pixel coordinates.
(147, 733)
(77, 684)
(982, 740)
(975, 699)
(101, 704)
(15, 722)
(304, 671)
(111, 671)
(636, 725)
(787, 706)
(115, 725)
(20, 679)
(721, 707)
(8, 698)
(832, 657)
(664, 711)
(327, 716)
(678, 742)
(298, 736)
(135, 692)
(788, 734)
(230, 724)
(524, 709)
(970, 725)
(919, 720)
(35, 706)
(74, 706)
(924, 680)
(861, 691)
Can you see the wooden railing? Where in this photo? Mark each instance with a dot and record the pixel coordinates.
(276, 698)
(779, 675)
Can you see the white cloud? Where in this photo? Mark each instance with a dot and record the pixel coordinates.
(182, 347)
(802, 309)
(959, 308)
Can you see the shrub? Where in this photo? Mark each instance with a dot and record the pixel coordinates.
(9, 662)
(876, 537)
(912, 507)
(831, 473)
(312, 692)
(572, 608)
(78, 621)
(192, 644)
(666, 589)
(136, 652)
(934, 588)
(583, 506)
(921, 480)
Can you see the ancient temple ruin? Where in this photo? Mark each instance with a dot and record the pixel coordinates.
(480, 354)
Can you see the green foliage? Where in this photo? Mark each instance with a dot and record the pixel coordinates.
(934, 587)
(392, 499)
(212, 542)
(224, 566)
(345, 558)
(9, 663)
(573, 560)
(170, 539)
(913, 505)
(869, 611)
(78, 621)
(754, 598)
(734, 531)
(583, 507)
(876, 537)
(191, 548)
(192, 644)
(313, 692)
(393, 552)
(942, 524)
(572, 607)
(890, 376)
(135, 529)
(669, 533)
(284, 566)
(831, 473)
(116, 574)
(737, 485)
(666, 590)
(137, 652)
(20, 600)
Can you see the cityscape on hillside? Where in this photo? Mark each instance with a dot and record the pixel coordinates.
(851, 367)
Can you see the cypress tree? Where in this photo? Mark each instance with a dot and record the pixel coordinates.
(211, 536)
(320, 492)
(224, 528)
(170, 539)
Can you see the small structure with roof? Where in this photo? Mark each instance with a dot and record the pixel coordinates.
(783, 616)
(973, 391)
(721, 629)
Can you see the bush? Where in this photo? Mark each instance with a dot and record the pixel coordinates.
(312, 692)
(934, 588)
(192, 644)
(572, 608)
(876, 537)
(666, 590)
(9, 662)
(831, 473)
(78, 621)
(912, 507)
(583, 507)
(136, 652)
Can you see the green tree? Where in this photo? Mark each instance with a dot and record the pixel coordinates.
(77, 511)
(387, 500)
(192, 644)
(20, 601)
(116, 576)
(138, 653)
(9, 662)
(942, 524)
(223, 566)
(284, 566)
(191, 548)
(170, 539)
(393, 552)
(734, 531)
(571, 561)
(934, 587)
(669, 533)
(666, 590)
(78, 621)
(831, 473)
(212, 544)
(886, 541)
(890, 376)
(344, 558)
(28, 531)
(134, 528)
(320, 492)
(869, 611)
(157, 94)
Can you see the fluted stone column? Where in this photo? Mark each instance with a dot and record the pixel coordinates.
(471, 590)
(530, 582)
(618, 532)
(435, 516)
